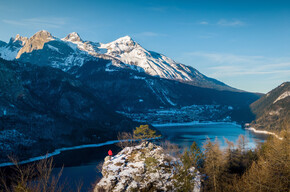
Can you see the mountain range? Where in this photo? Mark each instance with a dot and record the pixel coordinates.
(119, 61)
(66, 91)
(44, 49)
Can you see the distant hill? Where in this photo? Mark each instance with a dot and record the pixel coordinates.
(273, 109)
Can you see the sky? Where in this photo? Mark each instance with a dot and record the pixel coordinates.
(245, 44)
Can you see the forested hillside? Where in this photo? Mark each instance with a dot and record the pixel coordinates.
(273, 110)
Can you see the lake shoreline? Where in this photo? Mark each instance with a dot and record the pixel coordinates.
(263, 132)
(58, 151)
(194, 123)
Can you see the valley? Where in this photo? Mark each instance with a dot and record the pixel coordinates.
(63, 92)
(185, 114)
(71, 98)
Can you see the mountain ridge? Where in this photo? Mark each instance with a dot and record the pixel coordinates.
(124, 52)
(273, 109)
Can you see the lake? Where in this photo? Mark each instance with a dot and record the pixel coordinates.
(81, 164)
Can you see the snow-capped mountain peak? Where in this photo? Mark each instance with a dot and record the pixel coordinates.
(124, 39)
(123, 44)
(155, 64)
(73, 37)
(75, 41)
(72, 50)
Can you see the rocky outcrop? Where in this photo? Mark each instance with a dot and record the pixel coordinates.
(73, 37)
(36, 42)
(10, 50)
(23, 40)
(145, 167)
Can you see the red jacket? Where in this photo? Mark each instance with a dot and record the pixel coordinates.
(110, 152)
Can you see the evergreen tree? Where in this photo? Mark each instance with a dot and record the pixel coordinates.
(144, 132)
(187, 170)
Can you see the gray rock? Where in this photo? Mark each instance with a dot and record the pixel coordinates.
(143, 167)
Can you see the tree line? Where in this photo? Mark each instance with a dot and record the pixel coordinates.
(233, 169)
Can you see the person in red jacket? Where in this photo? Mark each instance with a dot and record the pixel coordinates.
(110, 153)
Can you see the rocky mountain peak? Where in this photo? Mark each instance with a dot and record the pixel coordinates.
(35, 42)
(124, 49)
(21, 39)
(42, 35)
(73, 37)
(17, 36)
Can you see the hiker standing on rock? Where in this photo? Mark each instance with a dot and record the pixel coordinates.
(110, 153)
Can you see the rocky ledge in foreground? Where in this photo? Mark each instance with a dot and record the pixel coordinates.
(145, 167)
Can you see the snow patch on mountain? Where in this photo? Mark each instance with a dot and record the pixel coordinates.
(167, 99)
(8, 54)
(138, 77)
(10, 50)
(53, 48)
(150, 84)
(282, 96)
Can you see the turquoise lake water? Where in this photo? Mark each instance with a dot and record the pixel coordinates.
(81, 164)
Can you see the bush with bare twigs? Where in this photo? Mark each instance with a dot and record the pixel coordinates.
(126, 139)
(33, 177)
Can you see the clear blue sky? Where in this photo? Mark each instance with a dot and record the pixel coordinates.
(242, 43)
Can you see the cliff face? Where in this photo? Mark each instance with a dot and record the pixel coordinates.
(145, 167)
(36, 42)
